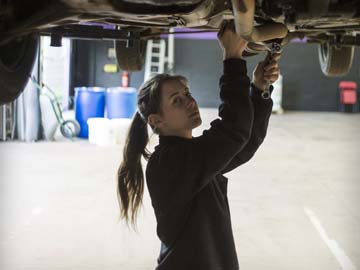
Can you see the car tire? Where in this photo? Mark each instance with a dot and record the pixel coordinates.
(335, 62)
(132, 58)
(16, 62)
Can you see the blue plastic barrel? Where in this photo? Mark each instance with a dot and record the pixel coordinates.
(121, 102)
(89, 102)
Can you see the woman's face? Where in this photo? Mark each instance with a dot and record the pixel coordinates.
(180, 110)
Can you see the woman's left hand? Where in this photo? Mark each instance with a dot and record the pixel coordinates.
(266, 72)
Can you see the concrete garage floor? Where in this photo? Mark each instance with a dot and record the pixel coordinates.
(295, 205)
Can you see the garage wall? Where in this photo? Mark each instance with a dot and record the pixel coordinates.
(305, 87)
(89, 58)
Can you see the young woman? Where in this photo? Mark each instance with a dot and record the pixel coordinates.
(184, 174)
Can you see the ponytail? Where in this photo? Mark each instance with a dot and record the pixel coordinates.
(130, 173)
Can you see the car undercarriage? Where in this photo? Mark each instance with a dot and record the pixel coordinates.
(266, 24)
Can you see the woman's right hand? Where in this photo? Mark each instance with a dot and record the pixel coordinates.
(232, 44)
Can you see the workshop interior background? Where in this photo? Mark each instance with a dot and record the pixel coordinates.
(295, 204)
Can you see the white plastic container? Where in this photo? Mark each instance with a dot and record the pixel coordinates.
(120, 127)
(108, 132)
(99, 133)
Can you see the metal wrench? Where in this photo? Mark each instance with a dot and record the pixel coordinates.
(273, 48)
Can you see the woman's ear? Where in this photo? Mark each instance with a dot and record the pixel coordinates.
(155, 120)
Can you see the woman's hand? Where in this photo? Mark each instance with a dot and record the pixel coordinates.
(232, 44)
(266, 72)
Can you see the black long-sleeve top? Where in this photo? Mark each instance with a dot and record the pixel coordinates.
(186, 183)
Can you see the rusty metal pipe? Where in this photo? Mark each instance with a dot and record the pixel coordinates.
(244, 11)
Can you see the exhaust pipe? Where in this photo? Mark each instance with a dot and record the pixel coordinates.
(244, 11)
(255, 48)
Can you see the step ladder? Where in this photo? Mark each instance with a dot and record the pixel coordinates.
(156, 58)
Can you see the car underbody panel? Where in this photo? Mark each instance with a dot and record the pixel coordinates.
(312, 18)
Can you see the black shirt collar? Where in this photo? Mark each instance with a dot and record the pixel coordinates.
(163, 139)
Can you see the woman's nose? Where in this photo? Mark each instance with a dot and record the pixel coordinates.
(192, 102)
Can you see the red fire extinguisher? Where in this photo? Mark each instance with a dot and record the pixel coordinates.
(125, 79)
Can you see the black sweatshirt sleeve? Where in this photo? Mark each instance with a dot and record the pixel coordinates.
(188, 166)
(262, 113)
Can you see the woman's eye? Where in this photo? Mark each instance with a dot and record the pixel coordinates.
(178, 99)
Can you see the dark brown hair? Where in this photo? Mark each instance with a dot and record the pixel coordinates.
(130, 174)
